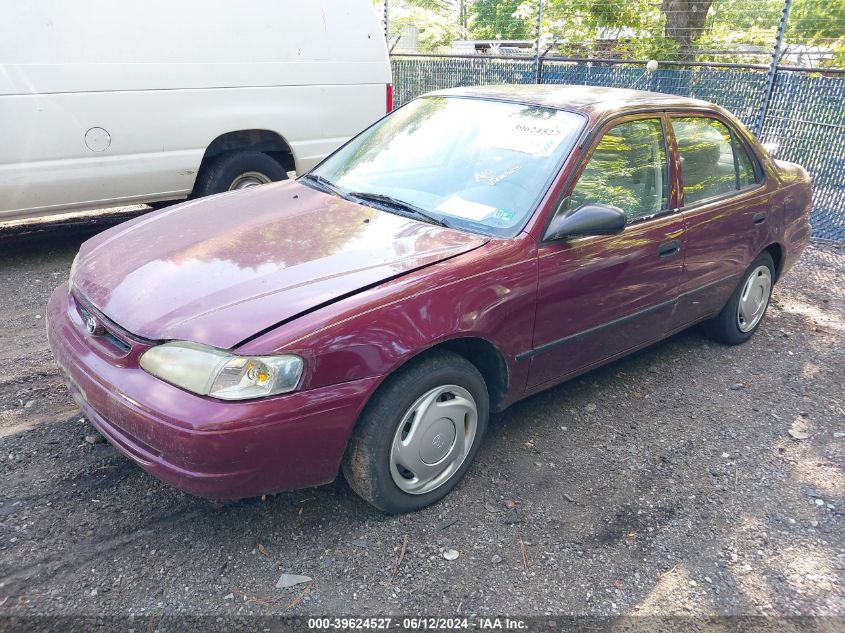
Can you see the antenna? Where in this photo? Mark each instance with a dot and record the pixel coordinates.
(650, 67)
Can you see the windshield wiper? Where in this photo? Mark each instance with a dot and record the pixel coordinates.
(401, 205)
(324, 184)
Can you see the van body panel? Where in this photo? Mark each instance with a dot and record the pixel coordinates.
(156, 92)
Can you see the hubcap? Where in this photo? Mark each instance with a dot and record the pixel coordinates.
(249, 179)
(754, 298)
(433, 439)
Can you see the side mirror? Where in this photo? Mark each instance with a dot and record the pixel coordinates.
(588, 219)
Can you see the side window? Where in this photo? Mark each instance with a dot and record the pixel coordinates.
(709, 168)
(745, 168)
(628, 170)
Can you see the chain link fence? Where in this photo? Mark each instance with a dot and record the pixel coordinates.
(779, 65)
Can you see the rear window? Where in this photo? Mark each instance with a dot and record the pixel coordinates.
(713, 162)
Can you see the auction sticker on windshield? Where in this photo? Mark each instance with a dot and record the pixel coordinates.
(538, 135)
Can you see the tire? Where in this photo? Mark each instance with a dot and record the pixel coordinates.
(386, 439)
(224, 172)
(738, 320)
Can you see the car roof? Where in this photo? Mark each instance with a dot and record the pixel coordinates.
(589, 99)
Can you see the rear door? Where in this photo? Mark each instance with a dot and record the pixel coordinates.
(601, 296)
(725, 209)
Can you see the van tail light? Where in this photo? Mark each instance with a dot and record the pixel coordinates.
(389, 98)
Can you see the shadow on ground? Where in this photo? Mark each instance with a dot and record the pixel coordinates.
(666, 483)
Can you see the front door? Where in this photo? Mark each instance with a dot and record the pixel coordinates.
(601, 296)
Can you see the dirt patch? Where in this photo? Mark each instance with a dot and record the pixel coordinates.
(666, 483)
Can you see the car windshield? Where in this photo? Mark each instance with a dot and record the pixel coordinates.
(471, 163)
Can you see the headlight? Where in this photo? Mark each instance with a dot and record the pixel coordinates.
(219, 374)
(73, 271)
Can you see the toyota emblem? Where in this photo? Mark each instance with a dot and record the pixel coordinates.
(94, 328)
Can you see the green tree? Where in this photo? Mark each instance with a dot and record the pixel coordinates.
(719, 30)
(436, 21)
(685, 20)
(819, 23)
(606, 28)
(500, 20)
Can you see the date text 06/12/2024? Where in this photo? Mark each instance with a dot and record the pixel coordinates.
(417, 623)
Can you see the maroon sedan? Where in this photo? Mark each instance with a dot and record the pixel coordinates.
(474, 247)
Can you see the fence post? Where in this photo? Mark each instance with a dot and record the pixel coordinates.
(773, 68)
(538, 60)
(387, 23)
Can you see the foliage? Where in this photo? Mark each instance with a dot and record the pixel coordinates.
(819, 23)
(436, 28)
(606, 28)
(501, 20)
(718, 30)
(740, 31)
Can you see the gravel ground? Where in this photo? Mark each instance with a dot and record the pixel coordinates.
(667, 484)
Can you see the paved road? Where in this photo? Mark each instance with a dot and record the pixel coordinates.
(666, 483)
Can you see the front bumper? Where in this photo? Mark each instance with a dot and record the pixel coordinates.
(207, 447)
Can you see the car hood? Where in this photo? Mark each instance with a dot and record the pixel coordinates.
(219, 270)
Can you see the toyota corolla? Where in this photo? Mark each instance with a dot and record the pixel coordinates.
(474, 247)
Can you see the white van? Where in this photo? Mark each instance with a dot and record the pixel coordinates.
(105, 102)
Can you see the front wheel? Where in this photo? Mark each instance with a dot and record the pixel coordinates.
(419, 434)
(741, 316)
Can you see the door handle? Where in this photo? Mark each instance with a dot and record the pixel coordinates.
(669, 248)
(759, 218)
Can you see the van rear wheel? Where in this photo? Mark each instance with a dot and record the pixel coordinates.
(237, 170)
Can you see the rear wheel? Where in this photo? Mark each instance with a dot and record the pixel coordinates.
(743, 313)
(237, 170)
(419, 434)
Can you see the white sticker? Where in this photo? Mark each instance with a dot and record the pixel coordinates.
(457, 206)
(536, 138)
